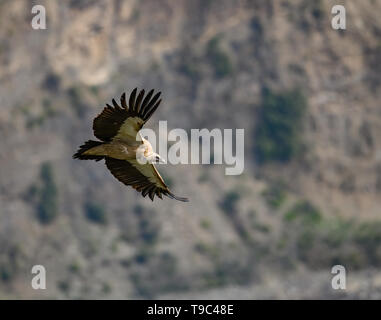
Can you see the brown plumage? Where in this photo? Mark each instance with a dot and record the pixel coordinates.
(117, 127)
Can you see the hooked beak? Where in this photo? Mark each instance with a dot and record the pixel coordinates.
(159, 159)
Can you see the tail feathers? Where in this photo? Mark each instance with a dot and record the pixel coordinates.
(87, 146)
(172, 196)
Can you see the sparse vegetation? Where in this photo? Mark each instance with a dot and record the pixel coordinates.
(74, 267)
(190, 64)
(52, 82)
(342, 242)
(106, 288)
(74, 94)
(279, 130)
(80, 4)
(148, 232)
(138, 210)
(11, 257)
(143, 254)
(94, 90)
(275, 195)
(159, 275)
(229, 202)
(230, 272)
(206, 249)
(373, 61)
(219, 59)
(256, 26)
(261, 227)
(321, 242)
(47, 209)
(203, 177)
(205, 223)
(33, 120)
(311, 13)
(317, 9)
(6, 273)
(64, 286)
(95, 213)
(147, 227)
(303, 211)
(226, 268)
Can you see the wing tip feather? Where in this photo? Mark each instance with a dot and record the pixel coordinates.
(172, 196)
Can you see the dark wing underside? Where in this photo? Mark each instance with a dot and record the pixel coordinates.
(107, 124)
(146, 179)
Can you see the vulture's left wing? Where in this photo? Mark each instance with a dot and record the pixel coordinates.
(124, 121)
(142, 177)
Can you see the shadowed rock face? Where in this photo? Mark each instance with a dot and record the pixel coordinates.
(213, 61)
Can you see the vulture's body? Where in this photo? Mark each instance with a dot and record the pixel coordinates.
(128, 156)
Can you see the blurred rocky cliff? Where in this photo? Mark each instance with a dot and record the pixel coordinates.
(307, 96)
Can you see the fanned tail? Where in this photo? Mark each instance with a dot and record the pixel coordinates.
(87, 146)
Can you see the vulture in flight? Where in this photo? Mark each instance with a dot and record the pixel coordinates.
(129, 157)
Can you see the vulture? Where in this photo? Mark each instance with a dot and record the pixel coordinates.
(129, 157)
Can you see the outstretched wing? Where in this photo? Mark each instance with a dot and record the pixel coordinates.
(142, 177)
(124, 121)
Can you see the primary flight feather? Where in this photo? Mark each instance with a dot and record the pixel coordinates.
(121, 145)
